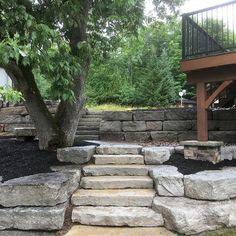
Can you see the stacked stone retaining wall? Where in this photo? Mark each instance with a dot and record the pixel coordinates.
(171, 125)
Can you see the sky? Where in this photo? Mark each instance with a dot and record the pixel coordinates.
(190, 5)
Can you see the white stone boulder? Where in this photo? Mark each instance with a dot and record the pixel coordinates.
(188, 216)
(179, 149)
(211, 184)
(33, 218)
(228, 152)
(119, 149)
(25, 233)
(156, 155)
(77, 155)
(168, 181)
(46, 189)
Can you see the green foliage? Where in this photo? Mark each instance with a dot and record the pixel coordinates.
(8, 94)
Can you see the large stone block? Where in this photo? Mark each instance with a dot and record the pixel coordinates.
(134, 126)
(119, 149)
(112, 136)
(156, 155)
(25, 233)
(228, 152)
(118, 115)
(211, 185)
(33, 218)
(110, 126)
(77, 155)
(187, 135)
(11, 119)
(149, 115)
(47, 189)
(188, 216)
(177, 125)
(19, 110)
(168, 181)
(137, 136)
(164, 136)
(154, 125)
(180, 114)
(221, 125)
(224, 114)
(11, 127)
(225, 136)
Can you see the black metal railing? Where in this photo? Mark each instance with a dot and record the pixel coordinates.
(210, 31)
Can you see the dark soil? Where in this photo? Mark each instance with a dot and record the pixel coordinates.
(188, 167)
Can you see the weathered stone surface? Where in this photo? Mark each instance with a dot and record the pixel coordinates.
(11, 127)
(154, 125)
(164, 136)
(137, 136)
(228, 152)
(112, 136)
(110, 126)
(221, 125)
(179, 149)
(180, 114)
(117, 216)
(19, 110)
(149, 115)
(117, 115)
(118, 149)
(134, 126)
(156, 155)
(116, 182)
(195, 143)
(114, 197)
(47, 189)
(25, 233)
(168, 181)
(67, 168)
(77, 155)
(8, 119)
(0, 178)
(211, 185)
(177, 125)
(118, 159)
(187, 135)
(227, 136)
(224, 114)
(120, 170)
(25, 132)
(33, 218)
(189, 216)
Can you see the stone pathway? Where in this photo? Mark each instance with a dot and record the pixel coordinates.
(116, 231)
(116, 190)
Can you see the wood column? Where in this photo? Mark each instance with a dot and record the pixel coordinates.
(202, 119)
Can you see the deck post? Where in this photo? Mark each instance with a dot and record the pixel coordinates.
(202, 120)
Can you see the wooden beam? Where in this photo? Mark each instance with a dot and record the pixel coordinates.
(202, 121)
(208, 62)
(211, 99)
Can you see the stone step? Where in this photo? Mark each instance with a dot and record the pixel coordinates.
(116, 182)
(98, 115)
(87, 137)
(114, 197)
(93, 112)
(90, 119)
(117, 216)
(86, 123)
(119, 149)
(121, 170)
(87, 132)
(118, 159)
(88, 127)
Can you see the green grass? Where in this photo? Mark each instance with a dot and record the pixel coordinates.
(113, 107)
(226, 232)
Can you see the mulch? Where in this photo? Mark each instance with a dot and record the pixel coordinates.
(19, 159)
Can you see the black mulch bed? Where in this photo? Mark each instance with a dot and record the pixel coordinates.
(19, 159)
(188, 167)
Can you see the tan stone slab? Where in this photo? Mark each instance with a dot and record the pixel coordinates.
(80, 230)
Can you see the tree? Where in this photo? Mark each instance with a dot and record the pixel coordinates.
(55, 39)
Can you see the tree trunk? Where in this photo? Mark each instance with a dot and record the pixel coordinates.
(24, 81)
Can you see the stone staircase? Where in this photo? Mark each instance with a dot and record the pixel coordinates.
(116, 190)
(88, 128)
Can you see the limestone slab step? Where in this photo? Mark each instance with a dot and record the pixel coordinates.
(85, 123)
(117, 216)
(118, 159)
(87, 137)
(119, 149)
(116, 182)
(121, 170)
(114, 197)
(90, 119)
(87, 132)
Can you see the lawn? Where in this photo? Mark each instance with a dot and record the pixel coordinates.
(226, 232)
(113, 107)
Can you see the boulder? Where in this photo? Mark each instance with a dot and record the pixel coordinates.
(77, 155)
(188, 216)
(33, 218)
(228, 152)
(156, 155)
(168, 181)
(211, 184)
(25, 233)
(47, 189)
